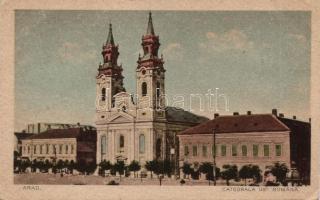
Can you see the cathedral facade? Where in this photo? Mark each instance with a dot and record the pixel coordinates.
(141, 128)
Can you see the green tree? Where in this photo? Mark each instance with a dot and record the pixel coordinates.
(119, 166)
(186, 169)
(245, 173)
(207, 169)
(41, 165)
(34, 165)
(151, 166)
(256, 173)
(47, 165)
(105, 165)
(60, 165)
(25, 164)
(90, 167)
(71, 166)
(134, 167)
(16, 161)
(229, 172)
(159, 167)
(167, 167)
(280, 171)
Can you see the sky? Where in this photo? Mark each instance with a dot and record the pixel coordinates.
(258, 60)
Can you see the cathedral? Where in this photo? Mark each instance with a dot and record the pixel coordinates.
(137, 127)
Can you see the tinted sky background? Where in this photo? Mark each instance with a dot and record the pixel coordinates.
(260, 60)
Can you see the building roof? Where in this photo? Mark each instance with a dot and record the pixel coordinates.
(22, 135)
(179, 115)
(110, 39)
(150, 29)
(238, 123)
(60, 133)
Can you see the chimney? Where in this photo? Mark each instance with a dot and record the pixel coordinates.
(275, 112)
(216, 115)
(281, 115)
(294, 117)
(249, 112)
(310, 120)
(235, 113)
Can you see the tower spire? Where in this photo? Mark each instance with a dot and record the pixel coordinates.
(150, 30)
(110, 39)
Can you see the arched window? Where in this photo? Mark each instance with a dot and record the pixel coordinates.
(141, 143)
(158, 89)
(103, 94)
(103, 145)
(144, 88)
(121, 141)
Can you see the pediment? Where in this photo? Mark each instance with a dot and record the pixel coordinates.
(121, 118)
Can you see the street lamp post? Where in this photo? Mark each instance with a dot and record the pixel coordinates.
(214, 157)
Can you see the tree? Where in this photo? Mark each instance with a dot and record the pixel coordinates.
(256, 173)
(167, 167)
(134, 166)
(186, 169)
(104, 165)
(66, 164)
(151, 166)
(60, 165)
(207, 169)
(25, 164)
(34, 165)
(16, 161)
(229, 172)
(245, 172)
(41, 165)
(280, 171)
(71, 166)
(119, 167)
(47, 165)
(90, 167)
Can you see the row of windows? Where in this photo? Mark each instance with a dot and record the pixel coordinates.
(121, 144)
(234, 150)
(45, 149)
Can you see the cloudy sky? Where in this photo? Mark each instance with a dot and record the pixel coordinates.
(259, 60)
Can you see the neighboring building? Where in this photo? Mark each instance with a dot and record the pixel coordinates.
(259, 139)
(66, 144)
(18, 136)
(300, 144)
(42, 127)
(142, 130)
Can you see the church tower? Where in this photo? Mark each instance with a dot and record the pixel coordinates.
(150, 76)
(109, 78)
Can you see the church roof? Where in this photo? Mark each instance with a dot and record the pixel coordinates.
(179, 115)
(238, 124)
(110, 39)
(150, 30)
